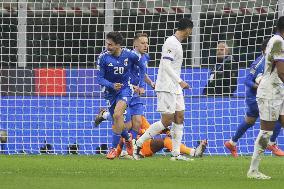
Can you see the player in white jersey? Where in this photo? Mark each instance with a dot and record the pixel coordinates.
(270, 97)
(169, 87)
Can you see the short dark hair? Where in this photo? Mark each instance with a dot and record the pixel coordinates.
(140, 35)
(264, 44)
(280, 24)
(115, 37)
(184, 23)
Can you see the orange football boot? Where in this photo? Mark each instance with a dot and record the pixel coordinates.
(232, 148)
(275, 150)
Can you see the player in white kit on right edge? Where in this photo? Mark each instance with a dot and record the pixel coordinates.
(270, 97)
(169, 85)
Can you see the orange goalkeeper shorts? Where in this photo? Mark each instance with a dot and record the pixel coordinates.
(146, 148)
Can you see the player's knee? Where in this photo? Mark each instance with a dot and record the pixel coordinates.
(250, 120)
(136, 124)
(281, 120)
(167, 123)
(267, 125)
(179, 117)
(117, 115)
(167, 120)
(116, 130)
(128, 125)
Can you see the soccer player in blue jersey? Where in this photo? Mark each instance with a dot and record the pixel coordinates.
(252, 82)
(135, 110)
(114, 75)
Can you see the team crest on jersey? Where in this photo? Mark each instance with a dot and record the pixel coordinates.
(252, 71)
(126, 62)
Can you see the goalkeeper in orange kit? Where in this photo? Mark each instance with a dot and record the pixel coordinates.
(151, 146)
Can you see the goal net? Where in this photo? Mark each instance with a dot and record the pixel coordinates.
(49, 91)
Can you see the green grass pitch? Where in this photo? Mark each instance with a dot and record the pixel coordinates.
(96, 172)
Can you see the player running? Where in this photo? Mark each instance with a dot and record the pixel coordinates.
(114, 75)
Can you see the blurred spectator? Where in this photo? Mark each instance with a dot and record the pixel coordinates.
(102, 149)
(73, 149)
(224, 74)
(3, 140)
(46, 148)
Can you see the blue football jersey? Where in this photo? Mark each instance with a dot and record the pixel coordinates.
(116, 69)
(134, 72)
(257, 67)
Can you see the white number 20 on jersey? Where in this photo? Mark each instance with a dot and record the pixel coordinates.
(118, 70)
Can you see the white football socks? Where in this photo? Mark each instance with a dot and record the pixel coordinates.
(176, 132)
(259, 147)
(153, 130)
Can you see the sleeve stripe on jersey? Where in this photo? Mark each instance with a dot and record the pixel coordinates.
(169, 58)
(279, 59)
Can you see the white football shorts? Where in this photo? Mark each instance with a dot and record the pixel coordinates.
(270, 109)
(169, 103)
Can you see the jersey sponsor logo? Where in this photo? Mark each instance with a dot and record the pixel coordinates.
(110, 64)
